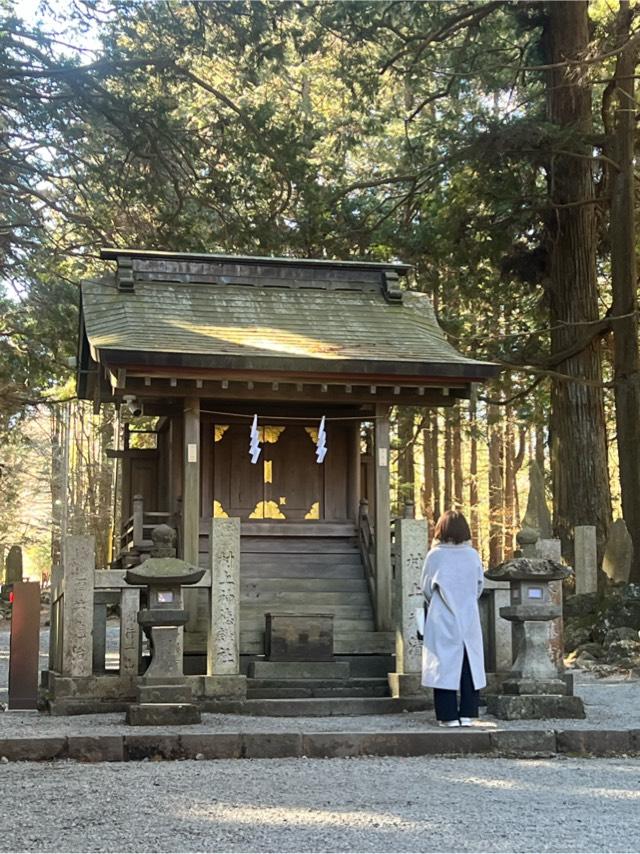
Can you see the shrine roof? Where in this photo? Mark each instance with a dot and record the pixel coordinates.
(254, 313)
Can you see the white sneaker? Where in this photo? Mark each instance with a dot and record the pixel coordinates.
(467, 721)
(448, 723)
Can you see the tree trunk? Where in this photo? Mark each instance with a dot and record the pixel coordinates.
(448, 461)
(579, 454)
(427, 486)
(435, 464)
(622, 238)
(458, 478)
(56, 483)
(474, 519)
(406, 477)
(509, 485)
(496, 541)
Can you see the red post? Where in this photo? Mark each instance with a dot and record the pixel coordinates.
(24, 645)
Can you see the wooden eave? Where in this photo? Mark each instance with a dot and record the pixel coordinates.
(346, 368)
(113, 254)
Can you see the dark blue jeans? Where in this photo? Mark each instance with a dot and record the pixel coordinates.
(446, 701)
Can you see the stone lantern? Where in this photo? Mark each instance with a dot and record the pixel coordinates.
(164, 697)
(533, 688)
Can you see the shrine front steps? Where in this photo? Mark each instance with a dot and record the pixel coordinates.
(302, 707)
(346, 641)
(271, 689)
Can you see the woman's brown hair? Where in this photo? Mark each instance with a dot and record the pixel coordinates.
(452, 527)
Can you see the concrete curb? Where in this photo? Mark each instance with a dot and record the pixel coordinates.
(322, 745)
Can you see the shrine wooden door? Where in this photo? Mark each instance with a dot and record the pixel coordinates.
(286, 483)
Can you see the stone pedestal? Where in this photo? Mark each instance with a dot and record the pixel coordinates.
(296, 637)
(411, 548)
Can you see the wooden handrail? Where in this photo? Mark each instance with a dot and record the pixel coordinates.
(366, 543)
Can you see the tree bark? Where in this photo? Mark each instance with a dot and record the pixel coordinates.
(406, 476)
(427, 476)
(509, 484)
(622, 236)
(458, 477)
(474, 508)
(496, 539)
(435, 464)
(579, 453)
(448, 462)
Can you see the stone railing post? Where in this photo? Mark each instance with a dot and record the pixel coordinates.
(223, 646)
(411, 548)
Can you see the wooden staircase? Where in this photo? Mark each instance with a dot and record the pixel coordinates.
(306, 568)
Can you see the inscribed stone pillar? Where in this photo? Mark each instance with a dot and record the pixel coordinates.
(411, 548)
(129, 631)
(618, 553)
(77, 617)
(586, 559)
(223, 657)
(382, 519)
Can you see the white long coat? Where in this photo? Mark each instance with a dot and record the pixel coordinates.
(452, 581)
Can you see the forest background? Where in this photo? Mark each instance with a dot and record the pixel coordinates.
(489, 144)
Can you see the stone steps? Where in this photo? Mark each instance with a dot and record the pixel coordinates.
(262, 689)
(254, 622)
(319, 706)
(350, 642)
(353, 586)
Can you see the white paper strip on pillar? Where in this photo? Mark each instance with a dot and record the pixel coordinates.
(254, 445)
(321, 447)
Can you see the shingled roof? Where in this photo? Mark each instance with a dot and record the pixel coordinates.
(207, 311)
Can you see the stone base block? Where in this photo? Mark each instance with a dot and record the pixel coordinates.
(164, 694)
(534, 686)
(162, 714)
(299, 669)
(406, 685)
(231, 687)
(296, 637)
(534, 706)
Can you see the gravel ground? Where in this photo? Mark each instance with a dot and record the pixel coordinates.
(422, 804)
(611, 703)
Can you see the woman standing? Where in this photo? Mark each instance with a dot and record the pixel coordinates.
(452, 654)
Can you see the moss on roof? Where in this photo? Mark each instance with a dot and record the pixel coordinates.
(252, 321)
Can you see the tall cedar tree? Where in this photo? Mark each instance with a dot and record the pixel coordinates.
(578, 438)
(620, 150)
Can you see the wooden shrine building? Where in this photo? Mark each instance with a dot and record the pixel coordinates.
(203, 343)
